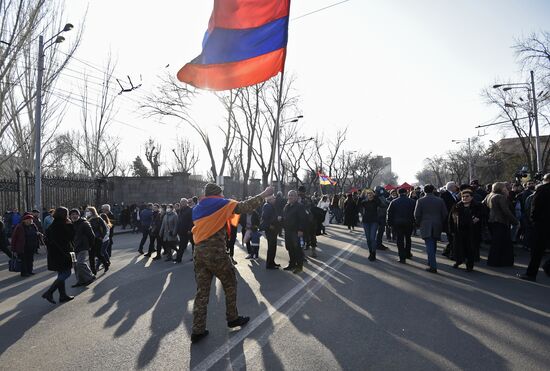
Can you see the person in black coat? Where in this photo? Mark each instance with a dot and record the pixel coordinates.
(294, 219)
(465, 221)
(540, 216)
(350, 212)
(185, 224)
(400, 217)
(450, 196)
(270, 223)
(59, 238)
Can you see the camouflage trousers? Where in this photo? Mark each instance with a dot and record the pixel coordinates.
(212, 261)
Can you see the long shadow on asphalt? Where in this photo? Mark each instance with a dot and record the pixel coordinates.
(441, 339)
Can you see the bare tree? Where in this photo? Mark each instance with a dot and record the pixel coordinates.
(92, 146)
(334, 147)
(185, 155)
(173, 99)
(270, 99)
(21, 23)
(534, 51)
(152, 155)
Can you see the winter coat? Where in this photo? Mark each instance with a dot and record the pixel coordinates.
(169, 227)
(540, 206)
(59, 241)
(98, 227)
(84, 235)
(185, 220)
(369, 209)
(431, 214)
(18, 239)
(294, 218)
(499, 209)
(146, 217)
(401, 211)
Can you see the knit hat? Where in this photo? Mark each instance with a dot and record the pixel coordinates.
(212, 189)
(28, 216)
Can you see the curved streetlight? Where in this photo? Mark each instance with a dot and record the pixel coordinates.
(459, 141)
(42, 46)
(279, 159)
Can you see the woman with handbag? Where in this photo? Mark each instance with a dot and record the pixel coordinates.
(59, 241)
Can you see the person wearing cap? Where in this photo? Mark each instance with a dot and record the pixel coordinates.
(212, 218)
(24, 242)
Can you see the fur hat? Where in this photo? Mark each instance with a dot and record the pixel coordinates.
(212, 189)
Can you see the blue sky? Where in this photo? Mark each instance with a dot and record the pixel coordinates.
(404, 76)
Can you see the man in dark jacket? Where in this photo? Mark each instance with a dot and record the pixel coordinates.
(84, 238)
(270, 223)
(294, 217)
(146, 218)
(400, 218)
(185, 224)
(450, 196)
(540, 215)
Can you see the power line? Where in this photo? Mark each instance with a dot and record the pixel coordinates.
(319, 10)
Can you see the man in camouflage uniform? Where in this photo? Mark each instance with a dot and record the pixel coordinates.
(211, 259)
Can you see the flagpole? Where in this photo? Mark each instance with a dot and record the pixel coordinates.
(276, 132)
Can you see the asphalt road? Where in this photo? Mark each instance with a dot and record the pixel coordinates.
(343, 312)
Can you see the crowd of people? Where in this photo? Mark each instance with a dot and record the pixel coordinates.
(79, 239)
(500, 215)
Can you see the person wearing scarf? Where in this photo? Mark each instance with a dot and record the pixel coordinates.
(212, 218)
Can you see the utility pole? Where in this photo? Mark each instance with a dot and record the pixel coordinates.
(535, 112)
(38, 128)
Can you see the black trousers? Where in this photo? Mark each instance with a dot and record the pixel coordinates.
(402, 235)
(95, 252)
(144, 236)
(229, 244)
(541, 239)
(501, 252)
(271, 236)
(295, 252)
(184, 240)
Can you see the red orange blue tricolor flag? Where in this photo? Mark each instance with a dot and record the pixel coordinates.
(325, 180)
(245, 44)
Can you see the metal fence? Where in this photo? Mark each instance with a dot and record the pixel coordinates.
(56, 191)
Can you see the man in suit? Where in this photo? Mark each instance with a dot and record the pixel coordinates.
(450, 197)
(400, 217)
(540, 215)
(431, 214)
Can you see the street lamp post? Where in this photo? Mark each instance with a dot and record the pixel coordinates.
(469, 141)
(279, 153)
(530, 87)
(42, 46)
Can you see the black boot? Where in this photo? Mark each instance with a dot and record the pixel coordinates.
(48, 295)
(239, 321)
(63, 297)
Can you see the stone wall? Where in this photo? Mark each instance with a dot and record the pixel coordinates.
(165, 189)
